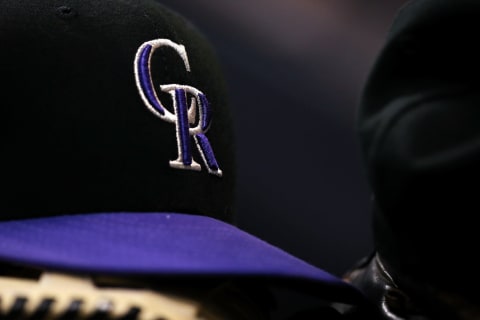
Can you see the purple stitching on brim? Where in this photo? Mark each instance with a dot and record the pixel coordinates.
(160, 243)
(157, 244)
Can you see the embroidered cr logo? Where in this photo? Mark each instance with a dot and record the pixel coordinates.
(183, 116)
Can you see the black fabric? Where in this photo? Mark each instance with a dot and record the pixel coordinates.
(419, 126)
(390, 302)
(75, 136)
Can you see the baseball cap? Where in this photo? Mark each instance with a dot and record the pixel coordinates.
(418, 124)
(118, 149)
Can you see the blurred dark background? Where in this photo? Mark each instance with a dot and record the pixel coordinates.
(295, 70)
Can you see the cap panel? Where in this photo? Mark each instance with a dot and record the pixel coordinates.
(77, 136)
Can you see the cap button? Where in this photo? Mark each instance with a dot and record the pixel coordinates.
(65, 12)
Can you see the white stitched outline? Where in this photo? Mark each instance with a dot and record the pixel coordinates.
(183, 161)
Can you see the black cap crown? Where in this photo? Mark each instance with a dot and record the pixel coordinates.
(77, 134)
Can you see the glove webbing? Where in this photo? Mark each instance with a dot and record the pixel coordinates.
(68, 297)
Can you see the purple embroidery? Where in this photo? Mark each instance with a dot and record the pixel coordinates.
(145, 79)
(207, 152)
(206, 112)
(183, 126)
(184, 113)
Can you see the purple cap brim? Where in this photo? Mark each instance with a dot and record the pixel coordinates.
(161, 244)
